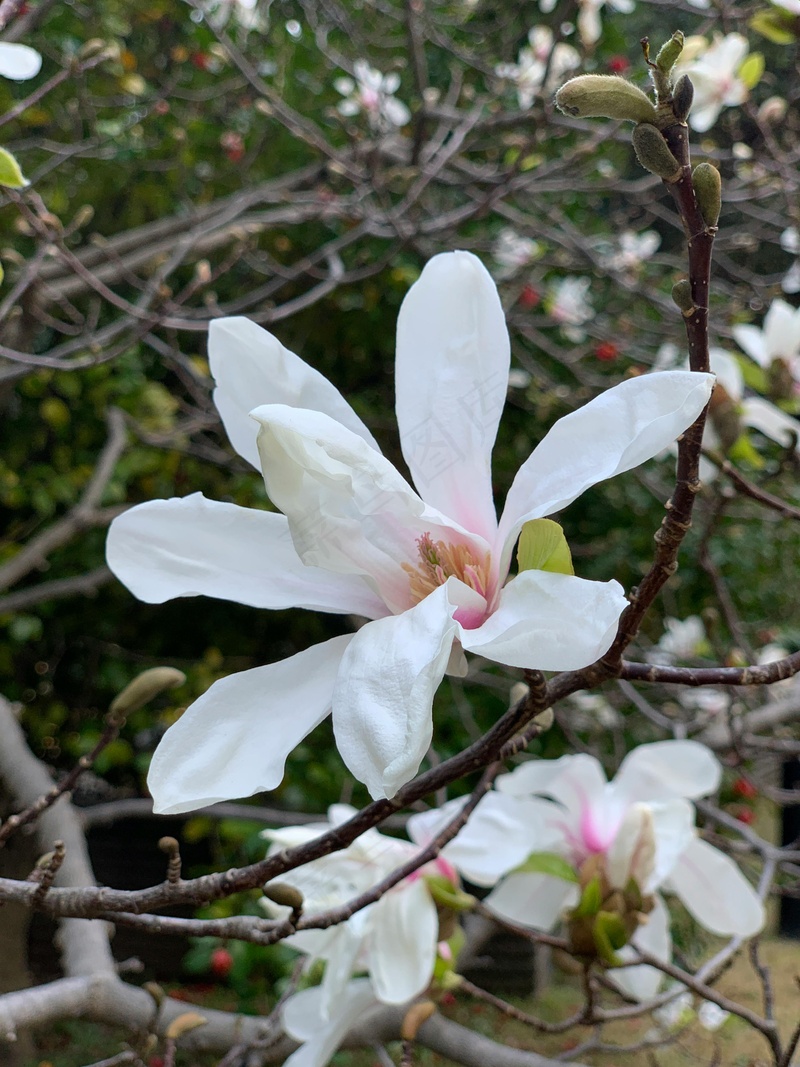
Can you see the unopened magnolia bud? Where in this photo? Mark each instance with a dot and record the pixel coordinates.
(285, 895)
(724, 415)
(708, 190)
(144, 687)
(682, 97)
(519, 690)
(189, 1020)
(670, 52)
(605, 96)
(545, 719)
(682, 295)
(416, 1015)
(654, 153)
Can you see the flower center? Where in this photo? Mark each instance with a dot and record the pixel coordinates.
(439, 561)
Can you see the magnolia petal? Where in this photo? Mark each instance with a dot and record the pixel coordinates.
(303, 1020)
(665, 769)
(653, 937)
(631, 854)
(402, 951)
(616, 431)
(716, 892)
(782, 330)
(453, 356)
(382, 702)
(771, 421)
(501, 833)
(535, 900)
(234, 740)
(349, 510)
(341, 954)
(251, 367)
(549, 621)
(578, 781)
(191, 546)
(753, 342)
(673, 829)
(19, 62)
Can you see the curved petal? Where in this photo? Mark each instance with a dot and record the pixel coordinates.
(190, 546)
(402, 949)
(304, 1021)
(549, 621)
(673, 829)
(632, 852)
(349, 510)
(535, 900)
(574, 780)
(665, 769)
(234, 740)
(501, 833)
(782, 330)
(616, 431)
(19, 62)
(341, 954)
(641, 981)
(382, 702)
(251, 367)
(771, 421)
(752, 340)
(716, 892)
(453, 356)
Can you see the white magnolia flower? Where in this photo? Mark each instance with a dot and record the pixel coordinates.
(713, 70)
(778, 339)
(430, 569)
(372, 93)
(792, 6)
(640, 826)
(568, 302)
(512, 251)
(537, 60)
(629, 251)
(683, 639)
(589, 25)
(394, 939)
(19, 62)
(320, 1033)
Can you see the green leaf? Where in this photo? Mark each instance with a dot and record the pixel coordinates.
(543, 547)
(448, 895)
(10, 173)
(609, 935)
(776, 26)
(754, 376)
(591, 899)
(548, 863)
(751, 70)
(744, 452)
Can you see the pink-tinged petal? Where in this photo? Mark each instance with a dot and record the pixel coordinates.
(382, 703)
(251, 367)
(666, 769)
(673, 826)
(576, 781)
(453, 356)
(303, 1020)
(535, 900)
(715, 891)
(631, 854)
(549, 621)
(616, 431)
(753, 342)
(653, 937)
(190, 546)
(500, 835)
(402, 951)
(349, 510)
(19, 62)
(234, 740)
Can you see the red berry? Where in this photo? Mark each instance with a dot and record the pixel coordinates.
(221, 963)
(606, 352)
(745, 815)
(200, 60)
(448, 999)
(745, 789)
(618, 64)
(529, 297)
(155, 1061)
(232, 145)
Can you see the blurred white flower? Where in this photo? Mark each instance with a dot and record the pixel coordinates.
(535, 61)
(682, 639)
(705, 699)
(513, 251)
(627, 253)
(372, 93)
(714, 71)
(568, 303)
(589, 26)
(19, 62)
(792, 6)
(778, 339)
(790, 242)
(711, 1016)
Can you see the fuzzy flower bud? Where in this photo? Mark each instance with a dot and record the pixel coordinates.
(669, 53)
(682, 97)
(682, 295)
(654, 153)
(604, 96)
(708, 190)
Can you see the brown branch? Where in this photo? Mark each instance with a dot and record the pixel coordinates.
(756, 674)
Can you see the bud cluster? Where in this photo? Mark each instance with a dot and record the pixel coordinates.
(606, 917)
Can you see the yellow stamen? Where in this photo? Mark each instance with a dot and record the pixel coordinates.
(439, 561)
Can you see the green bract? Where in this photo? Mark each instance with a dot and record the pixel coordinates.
(543, 547)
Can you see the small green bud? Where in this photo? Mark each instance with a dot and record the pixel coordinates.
(287, 896)
(144, 687)
(654, 153)
(604, 96)
(10, 172)
(682, 97)
(682, 295)
(670, 52)
(708, 190)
